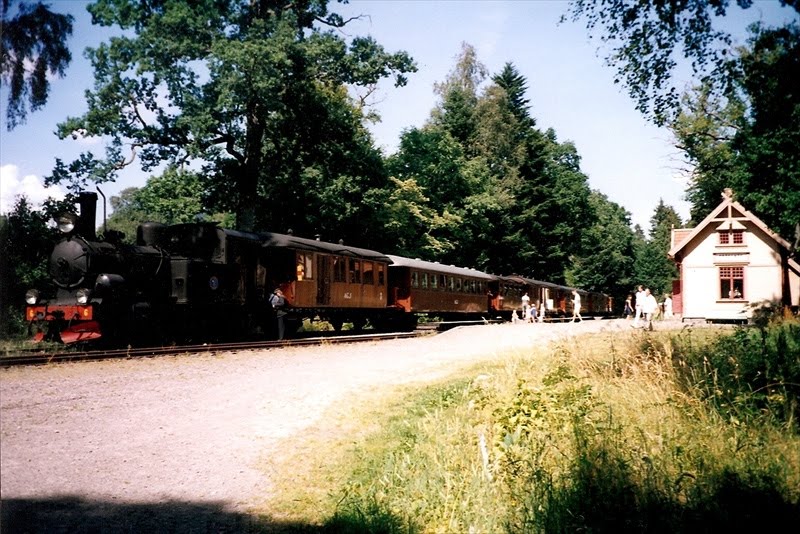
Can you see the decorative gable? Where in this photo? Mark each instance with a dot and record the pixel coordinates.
(731, 221)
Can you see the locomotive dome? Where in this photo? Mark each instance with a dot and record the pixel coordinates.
(69, 262)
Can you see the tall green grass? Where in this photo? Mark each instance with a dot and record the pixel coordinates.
(605, 433)
(751, 375)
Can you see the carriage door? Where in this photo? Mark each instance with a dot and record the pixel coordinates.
(323, 280)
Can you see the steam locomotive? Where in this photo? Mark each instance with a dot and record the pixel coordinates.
(200, 282)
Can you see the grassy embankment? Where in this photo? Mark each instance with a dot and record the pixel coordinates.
(691, 431)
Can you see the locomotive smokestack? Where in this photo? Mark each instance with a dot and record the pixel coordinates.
(86, 221)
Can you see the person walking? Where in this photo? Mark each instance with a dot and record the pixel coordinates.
(639, 302)
(667, 306)
(278, 302)
(628, 312)
(526, 307)
(576, 306)
(649, 307)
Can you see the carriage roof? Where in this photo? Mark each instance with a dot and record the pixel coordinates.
(431, 266)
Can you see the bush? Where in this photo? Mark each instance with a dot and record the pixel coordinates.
(752, 373)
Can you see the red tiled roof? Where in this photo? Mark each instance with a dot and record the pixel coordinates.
(679, 235)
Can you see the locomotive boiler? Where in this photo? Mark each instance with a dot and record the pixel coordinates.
(100, 288)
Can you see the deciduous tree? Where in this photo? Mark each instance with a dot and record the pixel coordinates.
(244, 88)
(647, 39)
(26, 240)
(748, 142)
(33, 47)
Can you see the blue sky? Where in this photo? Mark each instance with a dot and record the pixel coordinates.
(569, 88)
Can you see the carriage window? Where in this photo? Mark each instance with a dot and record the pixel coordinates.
(304, 266)
(731, 282)
(339, 269)
(355, 272)
(473, 287)
(458, 284)
(443, 281)
(369, 275)
(434, 281)
(380, 273)
(414, 279)
(301, 267)
(424, 280)
(451, 283)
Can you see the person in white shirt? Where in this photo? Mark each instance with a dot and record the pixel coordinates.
(526, 307)
(638, 305)
(576, 306)
(649, 307)
(667, 306)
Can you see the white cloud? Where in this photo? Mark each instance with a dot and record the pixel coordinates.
(80, 137)
(12, 186)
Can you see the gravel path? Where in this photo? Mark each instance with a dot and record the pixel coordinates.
(97, 443)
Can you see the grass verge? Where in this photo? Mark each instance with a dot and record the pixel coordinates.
(603, 433)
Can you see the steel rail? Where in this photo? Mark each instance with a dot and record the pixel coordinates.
(146, 352)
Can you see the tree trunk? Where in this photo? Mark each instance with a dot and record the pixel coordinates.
(250, 170)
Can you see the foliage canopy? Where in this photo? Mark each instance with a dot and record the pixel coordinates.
(233, 87)
(33, 46)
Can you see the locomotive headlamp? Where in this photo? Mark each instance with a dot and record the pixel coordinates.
(83, 295)
(32, 297)
(66, 222)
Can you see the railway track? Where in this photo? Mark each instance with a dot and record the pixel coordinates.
(39, 358)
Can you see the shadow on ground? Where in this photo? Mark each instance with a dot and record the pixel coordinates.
(68, 515)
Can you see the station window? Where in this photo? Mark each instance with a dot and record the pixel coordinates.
(355, 272)
(731, 282)
(380, 274)
(369, 273)
(414, 279)
(731, 237)
(434, 281)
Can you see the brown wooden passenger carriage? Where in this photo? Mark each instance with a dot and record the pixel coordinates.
(446, 291)
(329, 281)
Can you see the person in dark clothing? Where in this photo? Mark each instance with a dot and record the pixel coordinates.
(278, 302)
(628, 313)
